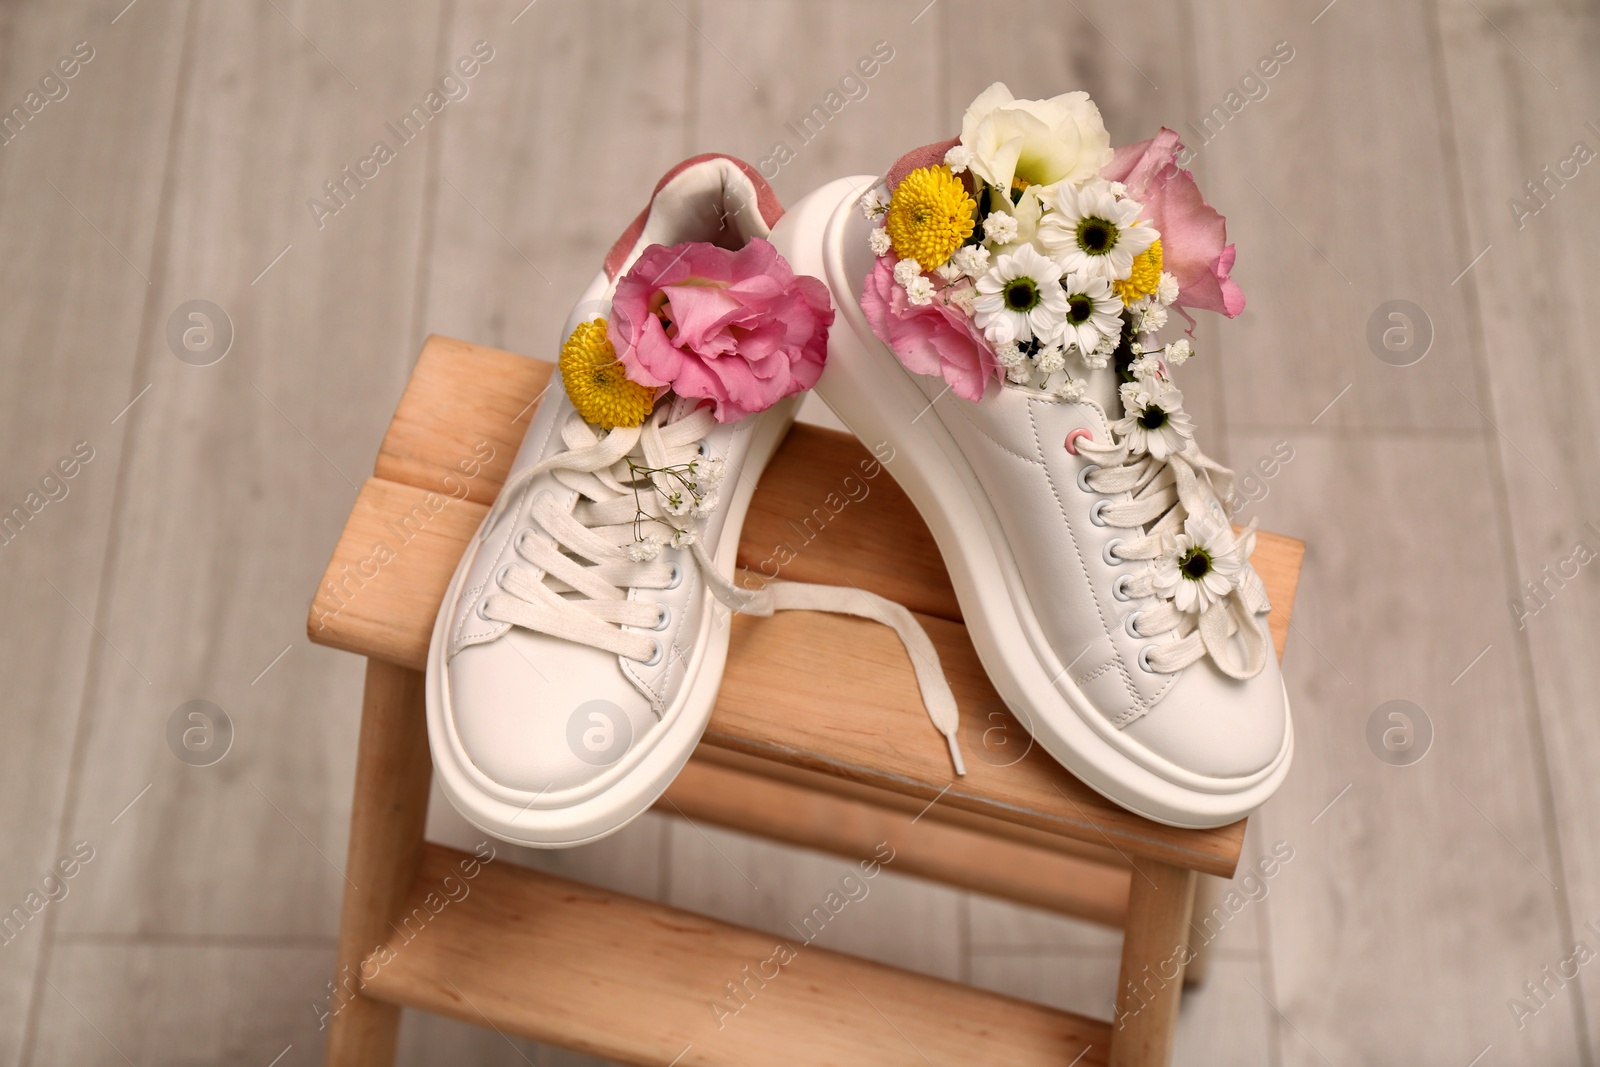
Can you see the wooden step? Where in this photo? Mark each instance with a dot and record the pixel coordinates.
(642, 983)
(824, 694)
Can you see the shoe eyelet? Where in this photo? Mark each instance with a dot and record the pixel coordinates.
(1130, 625)
(500, 575)
(703, 448)
(655, 657)
(1106, 552)
(1144, 660)
(1083, 476)
(1119, 588)
(677, 577)
(1097, 513)
(481, 605)
(664, 619)
(1073, 435)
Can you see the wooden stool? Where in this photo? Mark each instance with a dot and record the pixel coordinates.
(819, 739)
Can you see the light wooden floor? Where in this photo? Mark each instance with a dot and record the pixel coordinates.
(1378, 166)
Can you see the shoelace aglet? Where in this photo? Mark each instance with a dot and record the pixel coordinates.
(955, 755)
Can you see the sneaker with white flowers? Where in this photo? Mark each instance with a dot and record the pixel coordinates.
(578, 651)
(1000, 297)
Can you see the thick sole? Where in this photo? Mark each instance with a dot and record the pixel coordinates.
(661, 753)
(878, 399)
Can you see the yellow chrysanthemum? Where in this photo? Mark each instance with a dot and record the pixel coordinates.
(930, 216)
(1145, 278)
(597, 383)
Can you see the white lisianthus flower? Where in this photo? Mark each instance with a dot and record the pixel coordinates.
(1018, 143)
(1021, 299)
(879, 241)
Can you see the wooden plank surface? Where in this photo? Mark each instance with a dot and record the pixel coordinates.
(563, 963)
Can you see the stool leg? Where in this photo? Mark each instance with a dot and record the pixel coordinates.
(1208, 891)
(1155, 947)
(393, 772)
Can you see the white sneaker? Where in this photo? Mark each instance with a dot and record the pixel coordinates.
(1066, 502)
(578, 651)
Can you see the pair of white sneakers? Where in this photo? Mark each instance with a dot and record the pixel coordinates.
(579, 649)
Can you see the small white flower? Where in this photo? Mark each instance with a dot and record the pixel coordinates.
(947, 272)
(1020, 298)
(1135, 347)
(1095, 360)
(705, 504)
(1071, 390)
(906, 270)
(1200, 567)
(1167, 289)
(1094, 311)
(962, 298)
(646, 548)
(999, 228)
(1050, 359)
(1153, 418)
(683, 538)
(879, 241)
(1089, 230)
(875, 203)
(1009, 354)
(1146, 366)
(1152, 317)
(1019, 375)
(1179, 351)
(710, 471)
(957, 159)
(1118, 190)
(677, 502)
(971, 260)
(920, 291)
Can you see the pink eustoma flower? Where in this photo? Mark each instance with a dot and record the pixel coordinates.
(1194, 238)
(739, 329)
(932, 338)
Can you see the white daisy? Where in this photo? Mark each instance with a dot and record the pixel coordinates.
(999, 228)
(1200, 567)
(1094, 312)
(920, 291)
(1179, 351)
(958, 159)
(1153, 418)
(971, 260)
(879, 241)
(906, 270)
(1089, 229)
(1020, 299)
(1166, 289)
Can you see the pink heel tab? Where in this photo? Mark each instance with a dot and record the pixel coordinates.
(766, 203)
(930, 155)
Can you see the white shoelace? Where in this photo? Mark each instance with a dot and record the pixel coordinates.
(588, 603)
(1165, 492)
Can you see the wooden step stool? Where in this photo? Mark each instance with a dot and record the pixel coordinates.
(819, 739)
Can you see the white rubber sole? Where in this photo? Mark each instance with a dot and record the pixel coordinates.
(876, 397)
(630, 789)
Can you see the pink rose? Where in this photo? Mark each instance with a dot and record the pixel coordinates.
(1194, 247)
(932, 338)
(737, 328)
